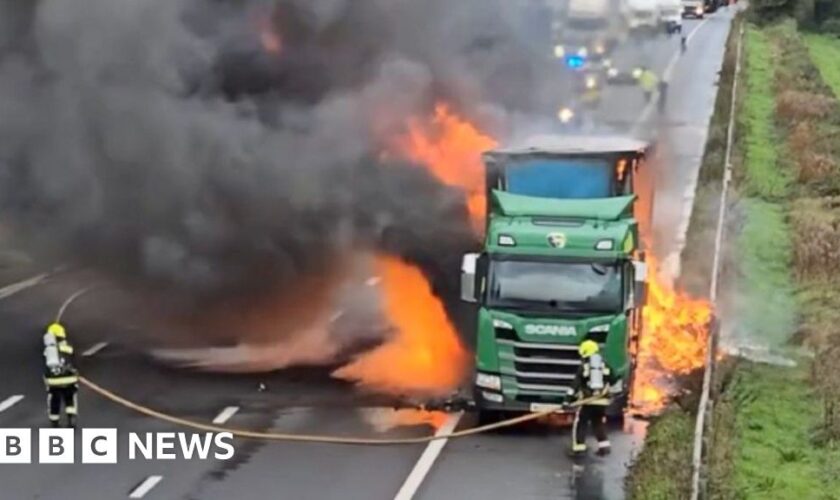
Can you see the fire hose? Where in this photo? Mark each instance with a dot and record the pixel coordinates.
(314, 438)
(309, 438)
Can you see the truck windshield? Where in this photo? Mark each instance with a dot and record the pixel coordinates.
(560, 178)
(563, 286)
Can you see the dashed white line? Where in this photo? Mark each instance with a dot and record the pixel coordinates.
(10, 401)
(427, 459)
(225, 415)
(144, 487)
(94, 349)
(9, 290)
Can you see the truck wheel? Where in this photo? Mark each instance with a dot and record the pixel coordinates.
(615, 411)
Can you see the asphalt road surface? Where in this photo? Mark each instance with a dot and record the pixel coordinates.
(522, 463)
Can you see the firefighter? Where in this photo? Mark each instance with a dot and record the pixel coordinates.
(592, 384)
(60, 376)
(648, 81)
(663, 96)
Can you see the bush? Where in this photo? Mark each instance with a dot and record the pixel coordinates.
(816, 249)
(795, 106)
(831, 26)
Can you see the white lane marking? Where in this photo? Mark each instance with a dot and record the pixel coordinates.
(225, 415)
(666, 76)
(427, 459)
(144, 487)
(10, 401)
(9, 290)
(95, 348)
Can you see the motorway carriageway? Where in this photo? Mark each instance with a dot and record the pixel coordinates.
(526, 463)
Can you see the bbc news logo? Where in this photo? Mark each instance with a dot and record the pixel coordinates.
(101, 446)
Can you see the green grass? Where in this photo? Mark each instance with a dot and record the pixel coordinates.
(660, 472)
(762, 176)
(768, 307)
(777, 457)
(825, 53)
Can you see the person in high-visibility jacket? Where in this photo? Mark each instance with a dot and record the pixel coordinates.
(60, 376)
(648, 81)
(592, 384)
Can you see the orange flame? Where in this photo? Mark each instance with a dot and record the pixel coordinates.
(673, 342)
(425, 354)
(451, 147)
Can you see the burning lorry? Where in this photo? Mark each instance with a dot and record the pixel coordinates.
(561, 263)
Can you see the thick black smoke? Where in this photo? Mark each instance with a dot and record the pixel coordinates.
(158, 141)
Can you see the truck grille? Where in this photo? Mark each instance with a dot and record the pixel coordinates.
(539, 367)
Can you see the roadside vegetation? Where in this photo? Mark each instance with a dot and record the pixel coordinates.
(776, 427)
(776, 432)
(662, 469)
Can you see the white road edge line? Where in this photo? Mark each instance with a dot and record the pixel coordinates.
(10, 401)
(225, 415)
(427, 459)
(144, 487)
(9, 290)
(95, 348)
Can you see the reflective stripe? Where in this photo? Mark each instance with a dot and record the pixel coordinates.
(60, 381)
(576, 447)
(598, 402)
(603, 444)
(65, 348)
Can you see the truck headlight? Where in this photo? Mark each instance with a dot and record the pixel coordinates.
(565, 115)
(698, 10)
(493, 397)
(493, 382)
(500, 323)
(600, 328)
(591, 82)
(637, 73)
(612, 72)
(559, 51)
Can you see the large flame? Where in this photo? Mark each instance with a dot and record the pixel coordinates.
(673, 342)
(450, 147)
(425, 354)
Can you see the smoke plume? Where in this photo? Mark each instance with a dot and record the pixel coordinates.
(160, 142)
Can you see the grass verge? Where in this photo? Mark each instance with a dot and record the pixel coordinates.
(777, 429)
(824, 52)
(662, 469)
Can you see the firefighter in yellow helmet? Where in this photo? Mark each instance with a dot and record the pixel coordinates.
(592, 383)
(60, 376)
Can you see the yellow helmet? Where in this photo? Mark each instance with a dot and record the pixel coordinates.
(57, 330)
(588, 348)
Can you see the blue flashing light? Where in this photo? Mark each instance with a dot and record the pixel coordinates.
(575, 62)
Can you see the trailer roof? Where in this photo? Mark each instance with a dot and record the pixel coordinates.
(573, 144)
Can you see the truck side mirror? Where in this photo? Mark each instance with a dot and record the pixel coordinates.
(640, 282)
(468, 269)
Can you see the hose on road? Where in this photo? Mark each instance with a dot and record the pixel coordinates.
(312, 438)
(280, 436)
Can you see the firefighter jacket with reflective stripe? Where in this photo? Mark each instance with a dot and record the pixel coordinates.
(581, 384)
(61, 381)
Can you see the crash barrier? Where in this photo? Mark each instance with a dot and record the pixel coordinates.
(313, 438)
(279, 436)
(703, 420)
